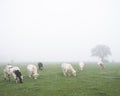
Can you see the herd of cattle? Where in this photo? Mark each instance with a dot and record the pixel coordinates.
(32, 69)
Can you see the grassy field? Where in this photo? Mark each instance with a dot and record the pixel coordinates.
(51, 82)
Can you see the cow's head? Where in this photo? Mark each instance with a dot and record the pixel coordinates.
(35, 75)
(74, 73)
(19, 75)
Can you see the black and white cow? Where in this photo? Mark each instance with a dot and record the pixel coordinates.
(101, 64)
(40, 66)
(13, 71)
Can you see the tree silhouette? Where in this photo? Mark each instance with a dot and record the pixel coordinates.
(101, 51)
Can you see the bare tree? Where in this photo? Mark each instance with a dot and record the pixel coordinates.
(101, 51)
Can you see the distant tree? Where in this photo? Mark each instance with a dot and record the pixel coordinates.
(101, 51)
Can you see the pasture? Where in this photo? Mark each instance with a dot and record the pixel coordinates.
(51, 82)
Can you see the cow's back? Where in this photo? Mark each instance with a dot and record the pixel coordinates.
(30, 67)
(66, 66)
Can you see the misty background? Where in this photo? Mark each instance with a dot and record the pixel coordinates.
(58, 30)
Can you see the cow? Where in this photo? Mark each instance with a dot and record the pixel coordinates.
(68, 69)
(40, 66)
(32, 71)
(101, 64)
(14, 71)
(81, 65)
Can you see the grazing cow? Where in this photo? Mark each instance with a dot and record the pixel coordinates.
(32, 71)
(14, 71)
(101, 64)
(81, 65)
(68, 69)
(40, 66)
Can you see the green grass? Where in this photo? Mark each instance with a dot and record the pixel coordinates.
(51, 82)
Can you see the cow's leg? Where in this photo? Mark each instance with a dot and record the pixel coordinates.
(39, 67)
(15, 77)
(30, 75)
(16, 80)
(9, 77)
(64, 72)
(81, 68)
(5, 76)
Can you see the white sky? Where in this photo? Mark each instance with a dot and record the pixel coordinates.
(58, 30)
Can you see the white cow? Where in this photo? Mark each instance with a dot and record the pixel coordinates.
(81, 65)
(32, 71)
(68, 69)
(14, 71)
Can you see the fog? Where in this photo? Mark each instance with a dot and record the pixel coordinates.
(58, 30)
